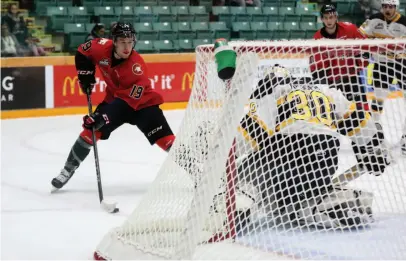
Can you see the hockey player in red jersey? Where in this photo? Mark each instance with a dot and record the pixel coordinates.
(339, 67)
(129, 97)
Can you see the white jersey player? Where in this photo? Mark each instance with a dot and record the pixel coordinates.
(294, 130)
(389, 67)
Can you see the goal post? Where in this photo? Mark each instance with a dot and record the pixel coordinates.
(250, 173)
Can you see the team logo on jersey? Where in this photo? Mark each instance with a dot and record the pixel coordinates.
(104, 62)
(137, 69)
(379, 26)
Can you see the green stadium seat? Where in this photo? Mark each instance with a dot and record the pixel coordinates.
(303, 10)
(343, 7)
(238, 10)
(286, 11)
(270, 10)
(227, 18)
(308, 18)
(74, 28)
(288, 3)
(197, 42)
(56, 10)
(148, 2)
(167, 18)
(265, 34)
(292, 18)
(179, 10)
(240, 26)
(76, 39)
(254, 10)
(186, 18)
(41, 6)
(90, 4)
(64, 3)
(103, 10)
(267, 3)
(123, 10)
(182, 2)
(148, 18)
(256, 26)
(108, 19)
(161, 10)
(261, 30)
(202, 17)
(274, 25)
(138, 10)
(165, 31)
(259, 18)
(111, 3)
(145, 31)
(276, 18)
(218, 10)
(144, 46)
(290, 26)
(184, 30)
(77, 10)
(202, 30)
(219, 30)
(297, 34)
(58, 22)
(131, 3)
(244, 29)
(166, 2)
(184, 26)
(356, 9)
(242, 18)
(185, 45)
(164, 46)
(197, 10)
(128, 19)
(307, 26)
(280, 35)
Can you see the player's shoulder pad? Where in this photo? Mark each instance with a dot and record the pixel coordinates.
(317, 35)
(402, 20)
(378, 16)
(138, 66)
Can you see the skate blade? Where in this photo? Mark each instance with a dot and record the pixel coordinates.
(54, 189)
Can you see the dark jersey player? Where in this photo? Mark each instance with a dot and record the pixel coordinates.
(129, 97)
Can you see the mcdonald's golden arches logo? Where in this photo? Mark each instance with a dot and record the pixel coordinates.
(187, 81)
(71, 84)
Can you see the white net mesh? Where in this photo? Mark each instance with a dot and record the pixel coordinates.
(293, 157)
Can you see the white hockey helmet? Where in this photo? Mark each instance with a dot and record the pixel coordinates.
(390, 2)
(278, 74)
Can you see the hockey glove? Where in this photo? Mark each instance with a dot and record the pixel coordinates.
(95, 120)
(374, 156)
(86, 80)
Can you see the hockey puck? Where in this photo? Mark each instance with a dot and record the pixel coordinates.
(116, 210)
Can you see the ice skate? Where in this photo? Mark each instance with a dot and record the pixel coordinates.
(61, 180)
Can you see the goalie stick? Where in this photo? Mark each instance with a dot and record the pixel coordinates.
(350, 174)
(109, 207)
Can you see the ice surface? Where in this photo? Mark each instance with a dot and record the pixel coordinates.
(69, 224)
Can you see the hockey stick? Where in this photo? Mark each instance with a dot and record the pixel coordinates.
(109, 207)
(350, 174)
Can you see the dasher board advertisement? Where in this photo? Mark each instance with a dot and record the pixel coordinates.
(173, 81)
(22, 88)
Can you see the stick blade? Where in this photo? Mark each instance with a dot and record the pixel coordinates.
(109, 207)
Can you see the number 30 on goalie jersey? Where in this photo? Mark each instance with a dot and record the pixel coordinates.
(309, 111)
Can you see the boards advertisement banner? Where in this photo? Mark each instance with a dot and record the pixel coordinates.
(22, 88)
(173, 80)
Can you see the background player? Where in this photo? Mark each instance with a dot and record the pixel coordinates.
(388, 66)
(295, 129)
(129, 96)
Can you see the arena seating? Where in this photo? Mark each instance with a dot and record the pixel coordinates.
(171, 26)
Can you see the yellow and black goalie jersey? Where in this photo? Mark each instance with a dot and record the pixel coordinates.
(306, 110)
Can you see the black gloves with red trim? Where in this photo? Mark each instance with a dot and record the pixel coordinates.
(86, 80)
(95, 120)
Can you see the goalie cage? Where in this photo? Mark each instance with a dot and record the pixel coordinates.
(191, 212)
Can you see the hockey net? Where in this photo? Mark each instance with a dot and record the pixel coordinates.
(238, 184)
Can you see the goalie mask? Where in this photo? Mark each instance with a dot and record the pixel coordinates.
(277, 75)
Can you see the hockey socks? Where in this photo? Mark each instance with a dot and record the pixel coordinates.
(77, 154)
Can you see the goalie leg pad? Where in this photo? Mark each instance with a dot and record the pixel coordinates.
(340, 208)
